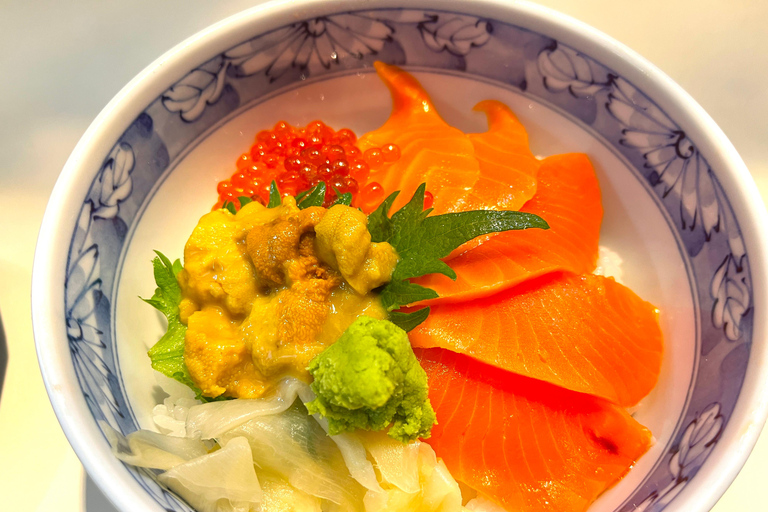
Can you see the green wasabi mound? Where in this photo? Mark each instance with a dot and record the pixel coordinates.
(369, 379)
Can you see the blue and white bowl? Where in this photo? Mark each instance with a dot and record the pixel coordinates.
(681, 208)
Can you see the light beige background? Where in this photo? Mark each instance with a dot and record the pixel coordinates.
(61, 62)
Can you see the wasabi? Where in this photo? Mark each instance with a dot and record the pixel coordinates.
(370, 379)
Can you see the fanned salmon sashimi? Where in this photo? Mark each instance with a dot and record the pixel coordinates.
(507, 166)
(585, 333)
(568, 198)
(525, 444)
(431, 151)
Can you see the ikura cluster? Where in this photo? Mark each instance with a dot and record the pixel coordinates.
(297, 159)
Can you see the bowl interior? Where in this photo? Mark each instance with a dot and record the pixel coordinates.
(666, 213)
(634, 225)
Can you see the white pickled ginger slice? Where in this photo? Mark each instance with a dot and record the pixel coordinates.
(280, 496)
(438, 491)
(441, 491)
(171, 416)
(398, 463)
(352, 450)
(218, 481)
(213, 419)
(293, 446)
(148, 449)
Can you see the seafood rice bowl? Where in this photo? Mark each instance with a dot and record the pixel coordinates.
(439, 257)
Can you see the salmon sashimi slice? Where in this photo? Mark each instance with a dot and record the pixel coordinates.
(507, 166)
(525, 444)
(431, 151)
(585, 333)
(568, 198)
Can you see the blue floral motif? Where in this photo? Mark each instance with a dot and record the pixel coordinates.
(192, 93)
(83, 295)
(674, 162)
(315, 46)
(630, 122)
(83, 285)
(310, 46)
(697, 442)
(455, 33)
(114, 182)
(565, 69)
(731, 292)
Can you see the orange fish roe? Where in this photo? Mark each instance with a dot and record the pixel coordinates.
(297, 159)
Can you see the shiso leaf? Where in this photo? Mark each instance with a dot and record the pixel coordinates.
(274, 196)
(408, 321)
(167, 355)
(230, 207)
(402, 292)
(313, 197)
(345, 198)
(422, 241)
(380, 226)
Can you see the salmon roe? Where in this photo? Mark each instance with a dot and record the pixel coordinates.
(297, 159)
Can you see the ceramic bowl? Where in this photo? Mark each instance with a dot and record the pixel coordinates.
(681, 208)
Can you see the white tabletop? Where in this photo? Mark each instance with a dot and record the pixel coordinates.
(62, 62)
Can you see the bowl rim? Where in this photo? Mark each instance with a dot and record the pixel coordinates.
(748, 417)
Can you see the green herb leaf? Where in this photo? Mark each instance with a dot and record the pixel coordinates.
(379, 224)
(244, 200)
(167, 355)
(345, 198)
(176, 267)
(167, 295)
(274, 196)
(401, 292)
(315, 197)
(421, 241)
(229, 206)
(408, 321)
